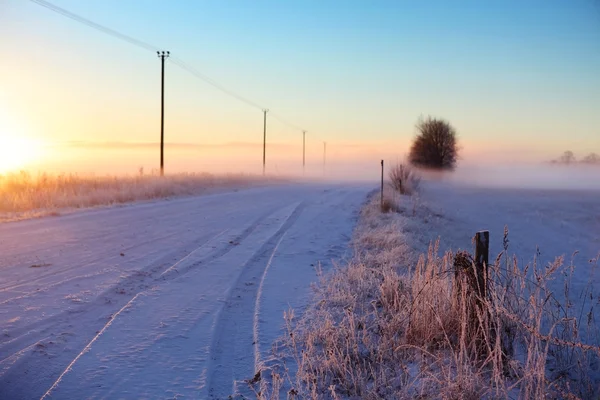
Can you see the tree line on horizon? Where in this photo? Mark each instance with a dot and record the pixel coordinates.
(568, 158)
(435, 147)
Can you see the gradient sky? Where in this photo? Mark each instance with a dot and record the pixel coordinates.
(519, 80)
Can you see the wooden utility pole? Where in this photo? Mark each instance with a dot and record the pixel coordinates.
(162, 55)
(324, 156)
(303, 150)
(265, 111)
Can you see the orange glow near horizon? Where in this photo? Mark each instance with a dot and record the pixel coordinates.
(17, 149)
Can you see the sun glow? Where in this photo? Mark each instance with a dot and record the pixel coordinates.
(16, 149)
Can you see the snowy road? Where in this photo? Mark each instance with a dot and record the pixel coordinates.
(171, 299)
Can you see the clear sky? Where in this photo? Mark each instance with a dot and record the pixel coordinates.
(519, 80)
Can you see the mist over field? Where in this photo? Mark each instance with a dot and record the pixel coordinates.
(342, 164)
(528, 176)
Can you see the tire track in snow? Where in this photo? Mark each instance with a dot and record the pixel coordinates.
(48, 287)
(220, 253)
(88, 346)
(29, 335)
(34, 333)
(34, 371)
(56, 272)
(255, 324)
(237, 322)
(174, 266)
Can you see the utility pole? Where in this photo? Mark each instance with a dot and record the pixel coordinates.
(162, 55)
(265, 111)
(324, 155)
(303, 150)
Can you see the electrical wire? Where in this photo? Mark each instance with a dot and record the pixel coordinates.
(183, 65)
(175, 60)
(96, 26)
(285, 122)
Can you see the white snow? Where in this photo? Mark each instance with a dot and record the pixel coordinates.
(558, 222)
(543, 223)
(173, 299)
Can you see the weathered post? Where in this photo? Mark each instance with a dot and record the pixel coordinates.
(470, 291)
(482, 256)
(381, 185)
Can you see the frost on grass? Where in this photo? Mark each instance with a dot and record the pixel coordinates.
(391, 324)
(23, 195)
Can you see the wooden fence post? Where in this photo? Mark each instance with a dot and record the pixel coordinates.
(470, 291)
(482, 257)
(381, 185)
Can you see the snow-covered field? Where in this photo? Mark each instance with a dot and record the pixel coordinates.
(542, 223)
(170, 299)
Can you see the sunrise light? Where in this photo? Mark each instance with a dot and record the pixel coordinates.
(17, 149)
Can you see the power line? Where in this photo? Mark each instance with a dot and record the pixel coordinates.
(285, 122)
(146, 46)
(183, 65)
(177, 61)
(180, 63)
(96, 26)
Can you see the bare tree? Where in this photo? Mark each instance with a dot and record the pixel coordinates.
(591, 158)
(567, 158)
(435, 146)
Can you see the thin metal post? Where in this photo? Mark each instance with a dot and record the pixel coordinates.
(382, 185)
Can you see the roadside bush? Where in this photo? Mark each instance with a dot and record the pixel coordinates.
(404, 179)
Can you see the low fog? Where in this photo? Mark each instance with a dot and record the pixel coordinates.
(528, 176)
(337, 167)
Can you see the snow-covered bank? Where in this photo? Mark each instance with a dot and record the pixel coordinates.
(385, 326)
(169, 299)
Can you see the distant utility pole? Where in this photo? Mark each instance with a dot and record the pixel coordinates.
(303, 150)
(265, 111)
(324, 155)
(162, 55)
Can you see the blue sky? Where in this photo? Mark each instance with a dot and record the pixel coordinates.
(511, 76)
